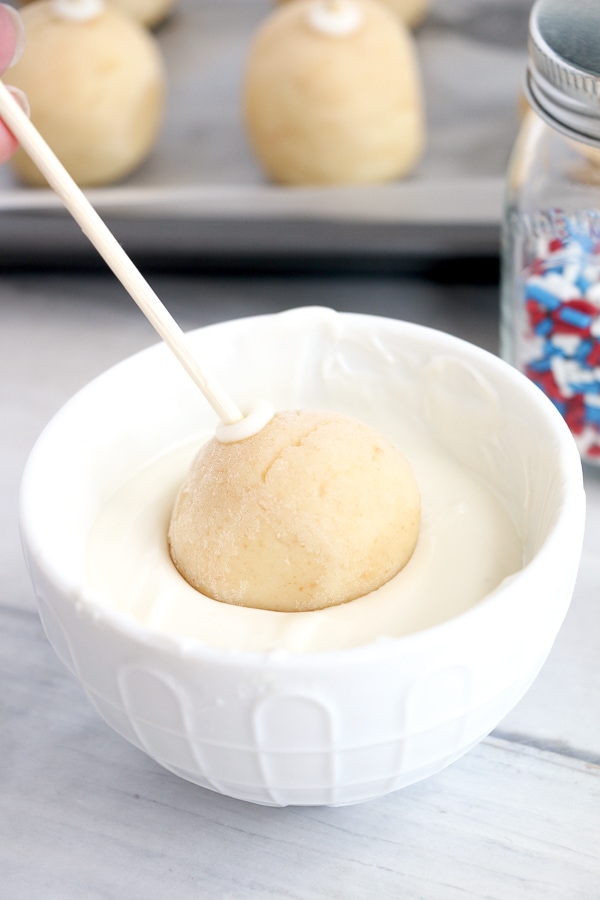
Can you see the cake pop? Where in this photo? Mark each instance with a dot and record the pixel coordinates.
(95, 81)
(332, 94)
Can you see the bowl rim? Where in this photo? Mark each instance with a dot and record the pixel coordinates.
(572, 510)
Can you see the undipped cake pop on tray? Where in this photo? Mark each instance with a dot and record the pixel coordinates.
(332, 94)
(95, 81)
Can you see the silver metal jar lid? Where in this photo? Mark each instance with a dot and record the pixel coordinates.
(563, 76)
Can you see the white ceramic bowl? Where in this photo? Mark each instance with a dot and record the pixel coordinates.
(319, 728)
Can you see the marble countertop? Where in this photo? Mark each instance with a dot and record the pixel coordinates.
(84, 814)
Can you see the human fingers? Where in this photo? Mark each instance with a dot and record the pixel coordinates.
(12, 41)
(12, 36)
(8, 142)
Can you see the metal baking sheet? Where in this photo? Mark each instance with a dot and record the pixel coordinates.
(201, 191)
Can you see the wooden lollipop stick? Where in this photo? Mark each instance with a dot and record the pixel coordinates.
(109, 248)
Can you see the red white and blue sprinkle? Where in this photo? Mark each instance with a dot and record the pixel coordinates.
(561, 292)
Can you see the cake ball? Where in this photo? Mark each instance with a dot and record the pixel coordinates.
(95, 82)
(332, 94)
(314, 510)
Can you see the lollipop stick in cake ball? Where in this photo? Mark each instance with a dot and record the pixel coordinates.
(293, 511)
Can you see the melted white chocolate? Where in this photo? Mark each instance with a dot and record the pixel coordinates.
(255, 421)
(467, 546)
(77, 10)
(335, 18)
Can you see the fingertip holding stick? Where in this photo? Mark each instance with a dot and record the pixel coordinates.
(127, 273)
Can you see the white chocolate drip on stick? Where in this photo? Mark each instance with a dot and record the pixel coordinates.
(78, 10)
(335, 18)
(254, 422)
(111, 251)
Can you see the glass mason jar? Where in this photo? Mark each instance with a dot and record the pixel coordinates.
(550, 291)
